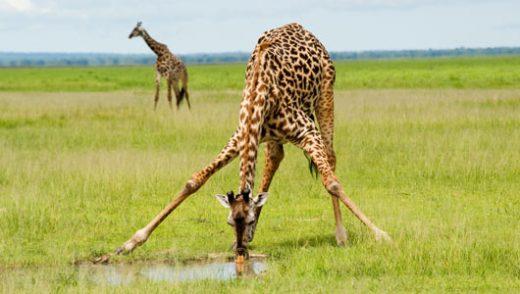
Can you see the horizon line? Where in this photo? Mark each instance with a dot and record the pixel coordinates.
(247, 52)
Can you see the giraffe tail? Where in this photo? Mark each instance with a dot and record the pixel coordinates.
(313, 169)
(183, 94)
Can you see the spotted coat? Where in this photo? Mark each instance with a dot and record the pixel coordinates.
(288, 97)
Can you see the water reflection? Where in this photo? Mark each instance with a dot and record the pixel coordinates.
(124, 274)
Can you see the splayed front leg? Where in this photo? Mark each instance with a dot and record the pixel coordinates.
(274, 155)
(137, 239)
(228, 153)
(140, 237)
(381, 236)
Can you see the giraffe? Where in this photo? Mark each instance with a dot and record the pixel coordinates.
(167, 66)
(288, 98)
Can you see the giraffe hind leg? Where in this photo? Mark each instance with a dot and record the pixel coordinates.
(170, 85)
(312, 143)
(325, 118)
(184, 89)
(182, 93)
(178, 93)
(157, 87)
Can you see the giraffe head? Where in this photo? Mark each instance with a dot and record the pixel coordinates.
(137, 31)
(242, 216)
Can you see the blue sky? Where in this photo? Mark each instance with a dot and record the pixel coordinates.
(234, 25)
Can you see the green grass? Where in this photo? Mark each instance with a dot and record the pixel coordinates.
(465, 73)
(436, 168)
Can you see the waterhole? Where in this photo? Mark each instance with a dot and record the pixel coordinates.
(125, 274)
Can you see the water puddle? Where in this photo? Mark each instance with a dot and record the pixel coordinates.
(125, 274)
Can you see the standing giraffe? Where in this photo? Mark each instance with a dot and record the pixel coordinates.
(167, 66)
(289, 79)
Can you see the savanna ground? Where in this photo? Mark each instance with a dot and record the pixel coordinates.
(429, 149)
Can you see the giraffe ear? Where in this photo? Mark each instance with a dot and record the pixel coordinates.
(139, 23)
(223, 199)
(261, 199)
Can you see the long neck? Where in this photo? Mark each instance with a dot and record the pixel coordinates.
(156, 47)
(248, 143)
(251, 121)
(253, 108)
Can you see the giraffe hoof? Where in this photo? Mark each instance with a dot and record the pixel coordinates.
(126, 248)
(341, 236)
(382, 236)
(137, 239)
(104, 259)
(119, 250)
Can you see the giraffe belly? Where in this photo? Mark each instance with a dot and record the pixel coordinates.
(284, 127)
(269, 134)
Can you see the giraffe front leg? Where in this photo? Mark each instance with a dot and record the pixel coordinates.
(274, 155)
(312, 143)
(226, 155)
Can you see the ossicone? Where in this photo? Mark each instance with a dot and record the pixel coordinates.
(231, 197)
(246, 195)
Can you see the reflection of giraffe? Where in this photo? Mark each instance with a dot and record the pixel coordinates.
(167, 66)
(289, 81)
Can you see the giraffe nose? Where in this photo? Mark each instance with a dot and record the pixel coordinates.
(242, 252)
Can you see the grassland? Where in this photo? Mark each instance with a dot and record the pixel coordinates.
(82, 167)
(458, 73)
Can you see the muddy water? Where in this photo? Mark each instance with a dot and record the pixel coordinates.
(125, 274)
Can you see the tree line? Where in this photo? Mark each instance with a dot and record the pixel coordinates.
(14, 59)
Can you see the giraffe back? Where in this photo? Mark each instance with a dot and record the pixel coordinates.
(295, 66)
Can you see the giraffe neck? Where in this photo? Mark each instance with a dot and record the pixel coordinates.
(156, 47)
(251, 119)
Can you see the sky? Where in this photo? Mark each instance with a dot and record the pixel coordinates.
(191, 26)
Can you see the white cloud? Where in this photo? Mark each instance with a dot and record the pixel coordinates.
(21, 6)
(16, 5)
